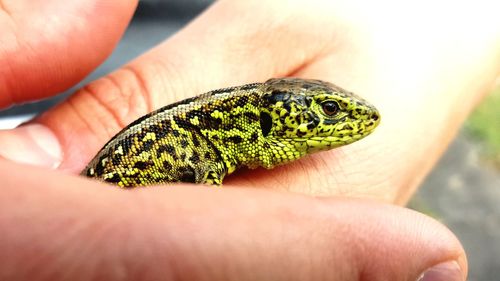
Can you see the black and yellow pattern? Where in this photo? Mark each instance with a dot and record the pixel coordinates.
(202, 139)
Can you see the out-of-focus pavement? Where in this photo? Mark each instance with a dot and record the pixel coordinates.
(460, 191)
(464, 194)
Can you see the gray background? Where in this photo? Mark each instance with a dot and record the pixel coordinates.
(461, 192)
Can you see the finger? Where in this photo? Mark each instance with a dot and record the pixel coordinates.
(82, 230)
(48, 46)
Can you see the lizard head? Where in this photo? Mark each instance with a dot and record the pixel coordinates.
(313, 115)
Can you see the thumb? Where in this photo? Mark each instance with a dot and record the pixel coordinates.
(285, 237)
(199, 233)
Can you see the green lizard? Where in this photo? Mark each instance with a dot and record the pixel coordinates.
(204, 138)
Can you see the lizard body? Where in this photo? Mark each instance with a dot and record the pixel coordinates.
(204, 138)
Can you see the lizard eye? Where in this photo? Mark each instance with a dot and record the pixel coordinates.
(330, 107)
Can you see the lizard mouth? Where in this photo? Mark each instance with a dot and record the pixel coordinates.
(346, 139)
(314, 144)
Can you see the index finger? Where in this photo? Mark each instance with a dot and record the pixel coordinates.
(48, 46)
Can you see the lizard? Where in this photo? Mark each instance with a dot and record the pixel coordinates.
(204, 138)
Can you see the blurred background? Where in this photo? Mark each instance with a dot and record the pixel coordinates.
(463, 190)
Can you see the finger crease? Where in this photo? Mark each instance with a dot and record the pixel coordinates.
(107, 107)
(144, 90)
(81, 116)
(4, 8)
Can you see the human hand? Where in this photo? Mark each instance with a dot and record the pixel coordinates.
(261, 42)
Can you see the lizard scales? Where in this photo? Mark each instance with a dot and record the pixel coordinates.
(204, 138)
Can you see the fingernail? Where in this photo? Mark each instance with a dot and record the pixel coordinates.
(31, 144)
(446, 271)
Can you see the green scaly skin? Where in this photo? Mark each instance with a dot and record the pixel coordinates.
(205, 138)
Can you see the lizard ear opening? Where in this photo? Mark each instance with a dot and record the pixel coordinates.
(266, 123)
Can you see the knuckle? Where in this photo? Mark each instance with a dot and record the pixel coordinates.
(110, 103)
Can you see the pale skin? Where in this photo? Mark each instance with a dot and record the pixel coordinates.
(425, 76)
